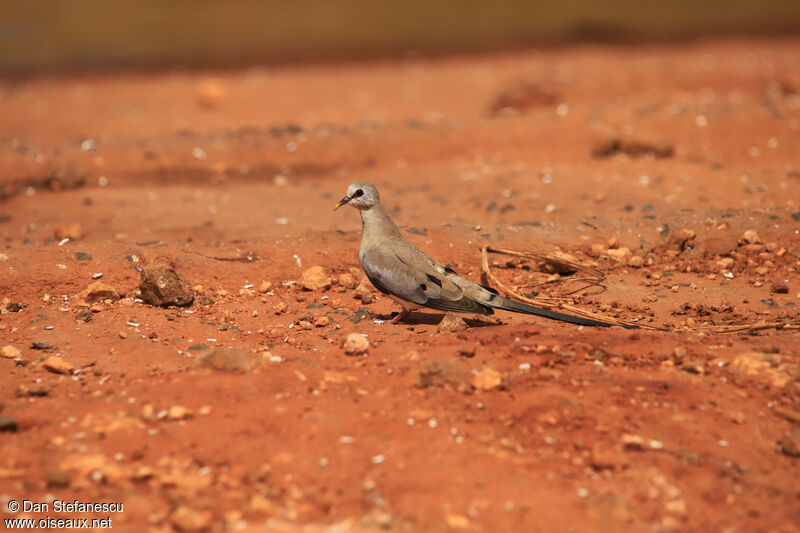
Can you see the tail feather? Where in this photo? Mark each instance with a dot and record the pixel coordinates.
(519, 307)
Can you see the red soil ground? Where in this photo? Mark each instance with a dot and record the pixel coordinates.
(649, 162)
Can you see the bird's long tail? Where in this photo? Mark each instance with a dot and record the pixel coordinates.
(518, 307)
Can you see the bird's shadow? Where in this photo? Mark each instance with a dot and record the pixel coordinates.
(432, 319)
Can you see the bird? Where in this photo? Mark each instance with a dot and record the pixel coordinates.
(408, 276)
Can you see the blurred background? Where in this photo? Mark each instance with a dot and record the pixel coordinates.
(90, 34)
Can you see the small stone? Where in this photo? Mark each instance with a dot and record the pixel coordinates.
(187, 519)
(456, 521)
(487, 379)
(96, 292)
(178, 412)
(598, 249)
(280, 308)
(161, 286)
(84, 315)
(751, 237)
(348, 281)
(210, 94)
(790, 443)
(57, 478)
(314, 279)
(779, 288)
(12, 352)
(39, 390)
(42, 345)
(355, 344)
(72, 232)
(693, 367)
(362, 291)
(440, 372)
(305, 324)
(607, 457)
(123, 335)
(750, 364)
(359, 315)
(367, 298)
(322, 321)
(57, 365)
(228, 359)
(452, 323)
(265, 286)
(636, 261)
(633, 442)
(619, 253)
(8, 424)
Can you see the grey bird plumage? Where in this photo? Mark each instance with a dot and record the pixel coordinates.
(403, 272)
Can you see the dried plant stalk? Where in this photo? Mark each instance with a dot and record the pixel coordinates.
(594, 277)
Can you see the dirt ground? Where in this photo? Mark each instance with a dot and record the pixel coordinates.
(672, 168)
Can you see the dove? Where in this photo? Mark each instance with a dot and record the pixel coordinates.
(408, 276)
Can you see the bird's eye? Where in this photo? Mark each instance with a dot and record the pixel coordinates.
(358, 193)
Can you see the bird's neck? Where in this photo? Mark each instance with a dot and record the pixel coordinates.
(375, 223)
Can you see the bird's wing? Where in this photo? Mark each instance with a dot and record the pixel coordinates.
(398, 268)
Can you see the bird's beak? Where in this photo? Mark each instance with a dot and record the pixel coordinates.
(342, 202)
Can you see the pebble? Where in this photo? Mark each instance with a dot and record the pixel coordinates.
(790, 443)
(322, 321)
(314, 279)
(751, 237)
(162, 286)
(694, 367)
(187, 519)
(57, 478)
(57, 365)
(10, 351)
(210, 94)
(72, 232)
(123, 335)
(487, 379)
(363, 292)
(96, 292)
(228, 359)
(456, 521)
(348, 281)
(281, 307)
(41, 345)
(636, 261)
(779, 288)
(607, 457)
(355, 344)
(440, 372)
(619, 253)
(265, 287)
(451, 322)
(633, 442)
(8, 424)
(178, 412)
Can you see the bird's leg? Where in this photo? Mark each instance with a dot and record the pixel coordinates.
(399, 317)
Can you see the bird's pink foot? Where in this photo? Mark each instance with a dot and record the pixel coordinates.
(399, 317)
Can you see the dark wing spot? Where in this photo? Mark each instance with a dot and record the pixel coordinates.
(450, 270)
(423, 287)
(493, 291)
(436, 280)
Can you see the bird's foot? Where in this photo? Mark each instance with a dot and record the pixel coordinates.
(399, 317)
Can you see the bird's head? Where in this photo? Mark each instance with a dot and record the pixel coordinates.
(361, 196)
